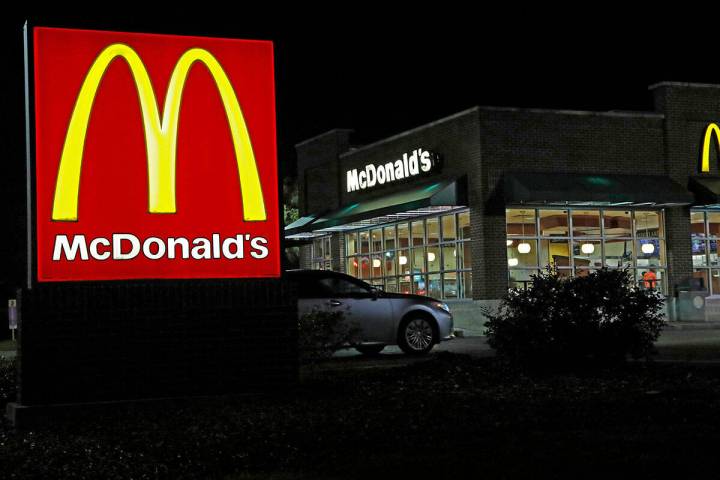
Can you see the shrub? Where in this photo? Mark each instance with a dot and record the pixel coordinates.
(322, 333)
(7, 382)
(599, 317)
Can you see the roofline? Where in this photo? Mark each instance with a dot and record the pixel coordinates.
(409, 132)
(333, 130)
(589, 113)
(683, 85)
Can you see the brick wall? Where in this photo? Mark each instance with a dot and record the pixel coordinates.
(130, 340)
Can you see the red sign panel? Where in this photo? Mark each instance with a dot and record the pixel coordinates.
(155, 156)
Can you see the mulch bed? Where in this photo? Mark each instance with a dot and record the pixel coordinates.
(448, 417)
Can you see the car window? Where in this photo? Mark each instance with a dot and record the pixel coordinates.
(309, 287)
(340, 287)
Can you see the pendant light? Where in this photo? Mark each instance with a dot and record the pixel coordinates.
(587, 248)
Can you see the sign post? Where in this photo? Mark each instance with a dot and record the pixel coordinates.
(12, 316)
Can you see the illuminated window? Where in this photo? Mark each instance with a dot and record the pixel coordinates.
(704, 237)
(576, 241)
(321, 253)
(427, 256)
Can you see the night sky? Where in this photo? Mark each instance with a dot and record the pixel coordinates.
(382, 73)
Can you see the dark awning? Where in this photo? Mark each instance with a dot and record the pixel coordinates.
(706, 190)
(426, 198)
(593, 190)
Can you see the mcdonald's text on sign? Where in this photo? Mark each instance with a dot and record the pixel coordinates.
(155, 156)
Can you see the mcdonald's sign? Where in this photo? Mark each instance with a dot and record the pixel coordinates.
(712, 131)
(154, 156)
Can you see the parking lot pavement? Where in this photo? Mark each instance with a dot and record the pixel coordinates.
(684, 345)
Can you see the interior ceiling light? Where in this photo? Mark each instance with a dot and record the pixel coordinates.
(587, 248)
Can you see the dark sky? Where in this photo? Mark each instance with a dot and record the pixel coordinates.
(359, 66)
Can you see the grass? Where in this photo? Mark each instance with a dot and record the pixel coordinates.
(449, 417)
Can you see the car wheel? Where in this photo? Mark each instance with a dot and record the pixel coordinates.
(369, 349)
(417, 335)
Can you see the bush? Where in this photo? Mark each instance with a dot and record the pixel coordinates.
(7, 382)
(599, 317)
(322, 333)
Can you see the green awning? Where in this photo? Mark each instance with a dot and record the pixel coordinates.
(444, 193)
(706, 190)
(593, 190)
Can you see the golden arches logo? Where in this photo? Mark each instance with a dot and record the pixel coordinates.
(160, 134)
(709, 131)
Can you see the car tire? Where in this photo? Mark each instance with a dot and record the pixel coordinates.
(370, 350)
(417, 335)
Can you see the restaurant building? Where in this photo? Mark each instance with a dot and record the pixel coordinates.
(470, 205)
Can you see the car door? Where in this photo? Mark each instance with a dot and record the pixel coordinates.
(312, 294)
(368, 308)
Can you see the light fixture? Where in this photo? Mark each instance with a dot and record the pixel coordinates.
(402, 260)
(523, 247)
(376, 263)
(508, 242)
(587, 248)
(647, 248)
(512, 262)
(431, 257)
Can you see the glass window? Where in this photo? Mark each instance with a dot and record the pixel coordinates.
(341, 287)
(713, 220)
(554, 252)
(433, 258)
(587, 253)
(351, 267)
(617, 223)
(702, 275)
(418, 259)
(713, 253)
(648, 224)
(419, 284)
(586, 223)
(463, 225)
(418, 233)
(364, 267)
(520, 222)
(464, 255)
(449, 253)
(403, 261)
(432, 226)
(350, 244)
(389, 260)
(450, 285)
(699, 252)
(364, 242)
(524, 254)
(521, 278)
(554, 223)
(715, 281)
(434, 285)
(377, 266)
(448, 228)
(389, 233)
(403, 235)
(618, 253)
(376, 236)
(697, 224)
(649, 252)
(399, 256)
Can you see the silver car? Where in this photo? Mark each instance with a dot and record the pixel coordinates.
(413, 322)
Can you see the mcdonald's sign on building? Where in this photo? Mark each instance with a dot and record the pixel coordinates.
(154, 157)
